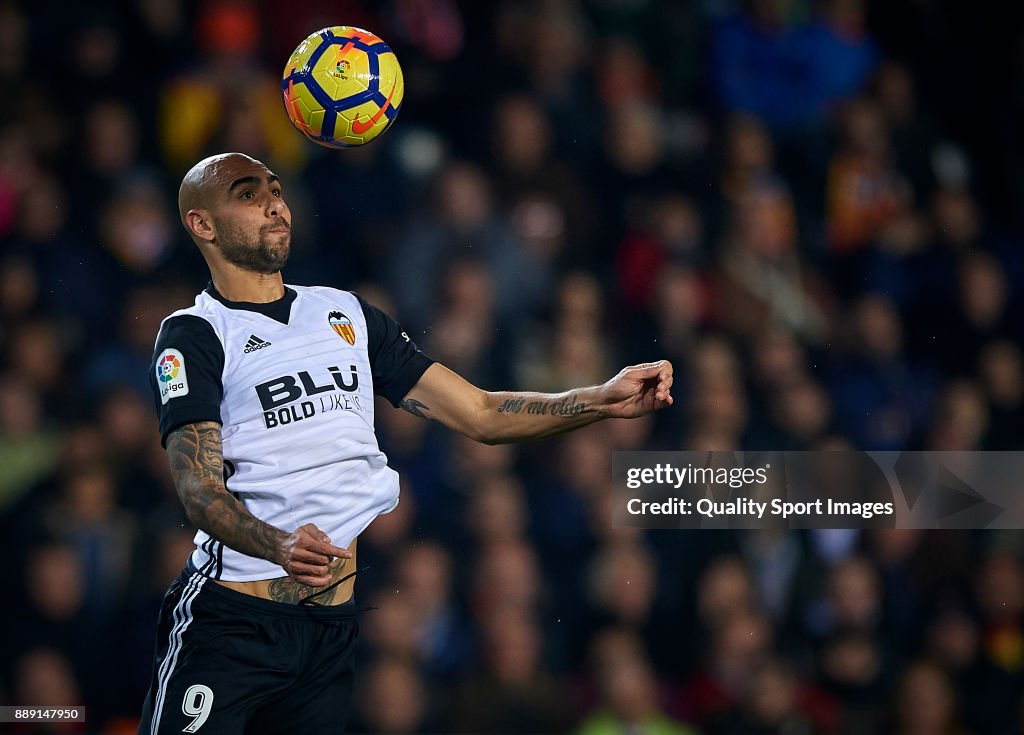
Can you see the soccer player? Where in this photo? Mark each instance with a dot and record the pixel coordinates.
(265, 398)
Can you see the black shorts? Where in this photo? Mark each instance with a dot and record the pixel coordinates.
(229, 663)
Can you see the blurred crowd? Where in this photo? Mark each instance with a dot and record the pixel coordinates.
(812, 207)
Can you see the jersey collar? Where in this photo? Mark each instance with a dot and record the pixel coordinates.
(279, 310)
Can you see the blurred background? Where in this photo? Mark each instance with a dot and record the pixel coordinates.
(813, 208)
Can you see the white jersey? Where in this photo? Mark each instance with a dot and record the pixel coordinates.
(292, 384)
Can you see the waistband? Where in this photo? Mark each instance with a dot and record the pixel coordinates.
(345, 610)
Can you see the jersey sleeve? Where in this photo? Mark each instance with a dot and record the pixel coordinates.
(185, 375)
(396, 363)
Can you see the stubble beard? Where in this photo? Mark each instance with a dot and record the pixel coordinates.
(265, 253)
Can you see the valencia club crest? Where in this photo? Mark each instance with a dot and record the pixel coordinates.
(343, 326)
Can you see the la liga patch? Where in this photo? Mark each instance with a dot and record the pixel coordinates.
(171, 377)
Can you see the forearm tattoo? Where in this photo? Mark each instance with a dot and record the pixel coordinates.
(197, 466)
(563, 407)
(416, 408)
(286, 589)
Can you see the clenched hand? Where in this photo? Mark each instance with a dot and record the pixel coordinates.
(305, 554)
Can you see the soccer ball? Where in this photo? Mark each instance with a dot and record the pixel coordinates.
(342, 87)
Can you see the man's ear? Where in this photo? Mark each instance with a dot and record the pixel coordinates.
(200, 225)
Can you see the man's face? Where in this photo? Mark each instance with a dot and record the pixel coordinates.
(253, 222)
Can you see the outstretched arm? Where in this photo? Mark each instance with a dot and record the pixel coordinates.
(197, 466)
(507, 416)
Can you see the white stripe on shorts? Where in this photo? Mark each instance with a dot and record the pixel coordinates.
(182, 619)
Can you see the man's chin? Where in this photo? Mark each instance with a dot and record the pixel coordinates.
(267, 258)
(275, 256)
(264, 267)
(268, 269)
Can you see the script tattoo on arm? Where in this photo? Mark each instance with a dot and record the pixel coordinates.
(563, 406)
(197, 466)
(416, 408)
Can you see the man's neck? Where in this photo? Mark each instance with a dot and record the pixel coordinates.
(253, 288)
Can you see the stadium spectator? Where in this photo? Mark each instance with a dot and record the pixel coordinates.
(926, 703)
(628, 699)
(512, 691)
(394, 700)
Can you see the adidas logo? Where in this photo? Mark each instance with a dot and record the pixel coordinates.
(255, 343)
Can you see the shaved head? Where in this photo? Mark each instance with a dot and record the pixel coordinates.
(200, 183)
(233, 208)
